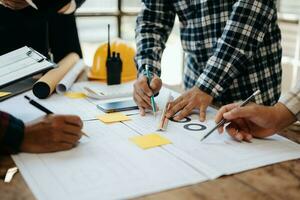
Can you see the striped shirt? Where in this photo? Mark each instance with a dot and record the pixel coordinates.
(232, 47)
(292, 101)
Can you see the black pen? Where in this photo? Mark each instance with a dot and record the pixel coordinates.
(42, 108)
(224, 121)
(38, 106)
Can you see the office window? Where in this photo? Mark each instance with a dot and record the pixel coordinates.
(99, 6)
(289, 22)
(289, 6)
(131, 5)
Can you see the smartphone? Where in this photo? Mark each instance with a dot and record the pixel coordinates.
(117, 106)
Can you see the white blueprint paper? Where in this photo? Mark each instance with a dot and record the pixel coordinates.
(68, 80)
(109, 166)
(105, 166)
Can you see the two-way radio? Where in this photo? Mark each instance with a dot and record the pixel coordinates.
(113, 64)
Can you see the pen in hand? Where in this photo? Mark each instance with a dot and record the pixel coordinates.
(42, 108)
(224, 121)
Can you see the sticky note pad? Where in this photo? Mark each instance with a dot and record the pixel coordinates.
(3, 94)
(75, 95)
(113, 117)
(150, 141)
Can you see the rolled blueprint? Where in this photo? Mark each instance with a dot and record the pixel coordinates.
(47, 84)
(66, 83)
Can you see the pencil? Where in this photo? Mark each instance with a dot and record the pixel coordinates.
(224, 121)
(42, 108)
(152, 97)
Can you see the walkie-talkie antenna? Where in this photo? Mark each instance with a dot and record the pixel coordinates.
(108, 41)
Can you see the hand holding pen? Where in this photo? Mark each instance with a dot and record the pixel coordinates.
(254, 120)
(144, 89)
(221, 121)
(77, 122)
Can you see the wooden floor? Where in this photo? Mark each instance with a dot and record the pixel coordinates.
(278, 181)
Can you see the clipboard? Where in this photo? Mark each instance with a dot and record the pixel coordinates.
(17, 69)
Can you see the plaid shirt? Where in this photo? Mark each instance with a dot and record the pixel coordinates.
(11, 133)
(232, 47)
(292, 101)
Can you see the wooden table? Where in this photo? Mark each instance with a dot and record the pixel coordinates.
(278, 181)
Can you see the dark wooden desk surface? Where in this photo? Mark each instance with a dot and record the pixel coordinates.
(278, 181)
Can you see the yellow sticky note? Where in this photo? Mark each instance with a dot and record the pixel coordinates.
(3, 94)
(150, 141)
(75, 95)
(113, 117)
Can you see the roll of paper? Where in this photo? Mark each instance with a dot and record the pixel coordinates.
(66, 83)
(47, 84)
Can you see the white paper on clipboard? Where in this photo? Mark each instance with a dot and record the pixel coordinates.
(22, 63)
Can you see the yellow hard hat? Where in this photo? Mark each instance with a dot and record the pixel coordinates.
(127, 53)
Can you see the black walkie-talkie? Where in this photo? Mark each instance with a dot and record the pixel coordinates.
(113, 64)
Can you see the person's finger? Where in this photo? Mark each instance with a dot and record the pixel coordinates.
(142, 111)
(184, 112)
(221, 129)
(141, 102)
(16, 5)
(61, 146)
(240, 112)
(156, 84)
(233, 131)
(172, 104)
(242, 125)
(246, 136)
(175, 108)
(176, 101)
(72, 130)
(224, 109)
(203, 108)
(73, 119)
(68, 138)
(137, 101)
(143, 85)
(145, 98)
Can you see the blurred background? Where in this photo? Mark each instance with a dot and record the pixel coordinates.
(94, 15)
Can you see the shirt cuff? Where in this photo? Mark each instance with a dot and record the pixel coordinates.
(292, 101)
(14, 136)
(154, 66)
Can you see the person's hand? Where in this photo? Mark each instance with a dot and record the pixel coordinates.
(52, 133)
(15, 4)
(254, 120)
(142, 92)
(64, 9)
(193, 98)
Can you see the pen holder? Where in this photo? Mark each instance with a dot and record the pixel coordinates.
(114, 69)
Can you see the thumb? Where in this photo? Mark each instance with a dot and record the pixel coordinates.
(155, 84)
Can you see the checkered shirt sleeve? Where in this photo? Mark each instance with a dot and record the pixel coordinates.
(242, 35)
(154, 25)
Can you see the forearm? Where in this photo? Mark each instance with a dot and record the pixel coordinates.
(154, 25)
(11, 133)
(283, 116)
